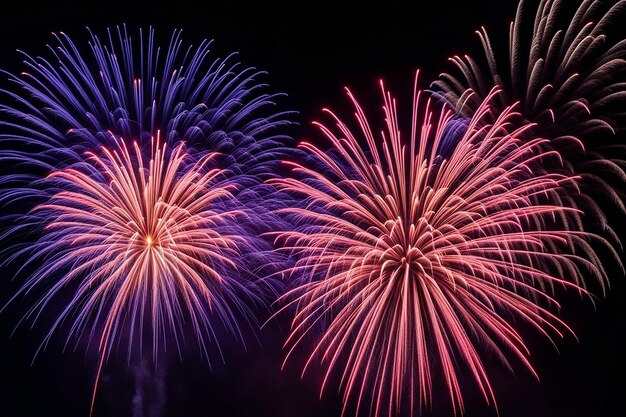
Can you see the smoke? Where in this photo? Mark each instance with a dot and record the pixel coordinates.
(149, 398)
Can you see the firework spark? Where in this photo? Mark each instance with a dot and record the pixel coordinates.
(425, 253)
(59, 108)
(569, 78)
(72, 105)
(73, 97)
(148, 243)
(155, 239)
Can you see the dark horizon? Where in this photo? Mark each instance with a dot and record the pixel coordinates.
(310, 54)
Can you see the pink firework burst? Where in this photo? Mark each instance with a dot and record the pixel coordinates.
(418, 255)
(147, 247)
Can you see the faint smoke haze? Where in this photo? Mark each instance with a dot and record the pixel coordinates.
(149, 398)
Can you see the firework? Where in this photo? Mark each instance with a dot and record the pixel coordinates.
(73, 102)
(569, 78)
(153, 243)
(427, 251)
(72, 97)
(132, 187)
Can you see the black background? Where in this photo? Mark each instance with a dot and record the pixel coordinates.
(311, 50)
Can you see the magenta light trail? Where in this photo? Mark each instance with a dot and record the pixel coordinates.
(146, 245)
(422, 252)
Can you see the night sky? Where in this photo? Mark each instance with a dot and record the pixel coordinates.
(311, 51)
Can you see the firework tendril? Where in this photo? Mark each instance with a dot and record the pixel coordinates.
(569, 77)
(132, 192)
(418, 254)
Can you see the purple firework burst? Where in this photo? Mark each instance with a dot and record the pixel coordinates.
(139, 171)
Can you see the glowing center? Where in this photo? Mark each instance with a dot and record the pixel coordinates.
(149, 240)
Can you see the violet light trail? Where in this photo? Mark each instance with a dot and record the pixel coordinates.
(133, 195)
